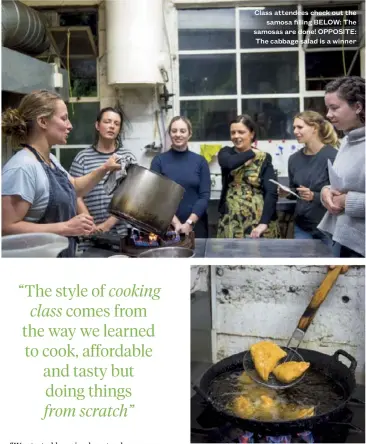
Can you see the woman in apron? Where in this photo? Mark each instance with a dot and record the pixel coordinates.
(37, 193)
(248, 199)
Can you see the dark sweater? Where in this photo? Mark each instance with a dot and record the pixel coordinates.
(229, 159)
(191, 171)
(311, 171)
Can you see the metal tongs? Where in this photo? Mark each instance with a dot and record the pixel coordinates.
(298, 335)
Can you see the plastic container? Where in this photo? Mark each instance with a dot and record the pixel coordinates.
(33, 245)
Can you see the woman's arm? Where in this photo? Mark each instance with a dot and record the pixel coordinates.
(291, 183)
(229, 159)
(355, 204)
(86, 183)
(156, 165)
(14, 210)
(269, 191)
(81, 208)
(201, 205)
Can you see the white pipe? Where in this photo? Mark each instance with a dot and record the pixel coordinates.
(134, 33)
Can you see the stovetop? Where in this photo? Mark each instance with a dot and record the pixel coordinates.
(207, 426)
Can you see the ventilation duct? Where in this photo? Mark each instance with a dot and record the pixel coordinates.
(22, 28)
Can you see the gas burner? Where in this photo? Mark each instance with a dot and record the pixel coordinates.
(208, 426)
(143, 239)
(138, 241)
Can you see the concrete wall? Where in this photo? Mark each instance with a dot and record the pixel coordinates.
(201, 319)
(254, 303)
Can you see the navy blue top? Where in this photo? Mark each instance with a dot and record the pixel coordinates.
(191, 171)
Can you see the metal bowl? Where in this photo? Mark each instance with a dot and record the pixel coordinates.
(168, 252)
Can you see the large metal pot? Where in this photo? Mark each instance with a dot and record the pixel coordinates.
(146, 199)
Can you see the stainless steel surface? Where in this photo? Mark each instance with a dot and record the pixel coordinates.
(179, 252)
(242, 248)
(266, 248)
(146, 199)
(23, 28)
(273, 382)
(23, 74)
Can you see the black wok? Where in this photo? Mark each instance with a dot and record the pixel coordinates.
(328, 367)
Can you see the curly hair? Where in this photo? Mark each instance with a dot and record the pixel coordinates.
(326, 131)
(17, 123)
(351, 89)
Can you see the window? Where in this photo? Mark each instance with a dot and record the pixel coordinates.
(78, 51)
(225, 71)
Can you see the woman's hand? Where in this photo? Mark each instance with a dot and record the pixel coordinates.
(176, 223)
(327, 196)
(340, 200)
(112, 164)
(305, 193)
(102, 228)
(258, 231)
(186, 228)
(80, 225)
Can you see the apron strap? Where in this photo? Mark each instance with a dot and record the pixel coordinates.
(35, 152)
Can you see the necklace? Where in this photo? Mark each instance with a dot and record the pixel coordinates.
(48, 162)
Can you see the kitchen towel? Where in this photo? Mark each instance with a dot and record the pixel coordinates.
(209, 151)
(114, 178)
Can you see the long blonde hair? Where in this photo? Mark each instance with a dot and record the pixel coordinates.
(17, 123)
(326, 132)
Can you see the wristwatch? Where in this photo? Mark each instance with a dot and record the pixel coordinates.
(190, 222)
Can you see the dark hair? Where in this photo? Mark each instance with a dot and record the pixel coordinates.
(185, 120)
(246, 120)
(351, 89)
(99, 118)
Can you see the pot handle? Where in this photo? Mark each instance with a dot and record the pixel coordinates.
(353, 365)
(201, 393)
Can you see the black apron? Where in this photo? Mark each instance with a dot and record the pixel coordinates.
(61, 205)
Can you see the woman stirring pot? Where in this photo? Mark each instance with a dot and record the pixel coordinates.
(37, 193)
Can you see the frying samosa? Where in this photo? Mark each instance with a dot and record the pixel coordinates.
(243, 407)
(265, 355)
(267, 410)
(293, 412)
(289, 371)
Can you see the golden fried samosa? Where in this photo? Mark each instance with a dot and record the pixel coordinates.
(243, 407)
(291, 370)
(267, 409)
(245, 379)
(291, 413)
(265, 355)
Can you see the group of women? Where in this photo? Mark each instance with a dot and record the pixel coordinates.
(38, 195)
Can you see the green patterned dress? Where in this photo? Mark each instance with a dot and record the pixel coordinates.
(244, 203)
